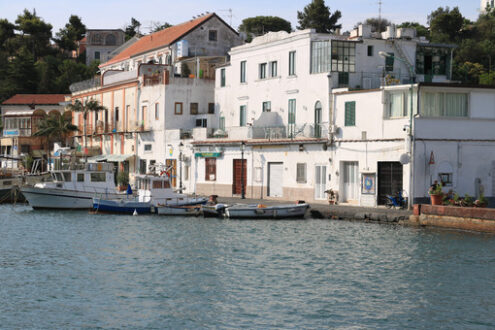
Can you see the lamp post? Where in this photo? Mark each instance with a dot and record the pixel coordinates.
(412, 78)
(243, 145)
(181, 146)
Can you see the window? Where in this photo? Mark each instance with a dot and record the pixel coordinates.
(350, 113)
(301, 173)
(445, 105)
(97, 177)
(292, 117)
(446, 179)
(267, 106)
(80, 177)
(389, 62)
(242, 115)
(396, 106)
(97, 55)
(318, 120)
(212, 35)
(320, 56)
(116, 114)
(210, 169)
(157, 111)
(194, 108)
(157, 184)
(67, 176)
(110, 40)
(211, 108)
(178, 108)
(273, 69)
(201, 122)
(25, 148)
(142, 166)
(343, 56)
(222, 77)
(370, 50)
(221, 123)
(343, 79)
(243, 71)
(262, 73)
(292, 63)
(147, 147)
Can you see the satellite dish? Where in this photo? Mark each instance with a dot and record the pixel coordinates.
(404, 159)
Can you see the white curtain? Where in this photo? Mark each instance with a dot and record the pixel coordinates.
(396, 105)
(455, 105)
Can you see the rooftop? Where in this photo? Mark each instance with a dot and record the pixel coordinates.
(28, 99)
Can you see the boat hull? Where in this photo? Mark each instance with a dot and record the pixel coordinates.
(267, 212)
(179, 210)
(121, 206)
(213, 211)
(47, 198)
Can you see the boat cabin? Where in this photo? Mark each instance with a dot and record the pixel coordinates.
(156, 188)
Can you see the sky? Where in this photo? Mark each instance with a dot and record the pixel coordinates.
(114, 14)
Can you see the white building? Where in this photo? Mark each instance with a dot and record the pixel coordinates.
(275, 100)
(374, 153)
(152, 108)
(486, 4)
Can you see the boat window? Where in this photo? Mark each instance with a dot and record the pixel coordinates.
(58, 176)
(166, 184)
(7, 183)
(67, 176)
(98, 177)
(80, 177)
(157, 185)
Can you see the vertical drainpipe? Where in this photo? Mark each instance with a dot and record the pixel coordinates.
(331, 105)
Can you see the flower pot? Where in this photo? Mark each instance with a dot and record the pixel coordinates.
(436, 199)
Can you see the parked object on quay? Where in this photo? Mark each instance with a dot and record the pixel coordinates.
(260, 211)
(74, 187)
(397, 201)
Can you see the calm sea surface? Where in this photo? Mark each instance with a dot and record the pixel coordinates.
(74, 269)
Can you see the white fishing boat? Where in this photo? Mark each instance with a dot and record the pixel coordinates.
(154, 195)
(73, 188)
(261, 211)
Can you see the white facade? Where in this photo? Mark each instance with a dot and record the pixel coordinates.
(486, 4)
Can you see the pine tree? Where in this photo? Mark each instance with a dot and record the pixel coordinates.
(318, 16)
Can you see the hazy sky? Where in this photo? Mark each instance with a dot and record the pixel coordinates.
(112, 14)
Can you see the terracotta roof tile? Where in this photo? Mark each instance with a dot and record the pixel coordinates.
(158, 39)
(35, 99)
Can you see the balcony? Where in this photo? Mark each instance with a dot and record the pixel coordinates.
(278, 132)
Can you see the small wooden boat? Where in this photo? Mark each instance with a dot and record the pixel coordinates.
(179, 210)
(213, 210)
(260, 211)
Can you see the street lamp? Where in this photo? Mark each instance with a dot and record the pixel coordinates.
(243, 145)
(181, 146)
(412, 78)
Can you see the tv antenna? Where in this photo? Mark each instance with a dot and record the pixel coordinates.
(230, 15)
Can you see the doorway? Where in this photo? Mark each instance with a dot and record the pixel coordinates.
(240, 173)
(172, 165)
(389, 180)
(275, 179)
(320, 181)
(350, 187)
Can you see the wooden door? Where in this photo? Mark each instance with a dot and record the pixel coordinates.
(172, 164)
(275, 179)
(238, 173)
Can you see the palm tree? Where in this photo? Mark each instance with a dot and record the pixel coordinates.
(85, 108)
(55, 127)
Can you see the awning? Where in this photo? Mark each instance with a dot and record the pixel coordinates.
(18, 113)
(110, 158)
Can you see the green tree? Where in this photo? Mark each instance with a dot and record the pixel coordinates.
(157, 26)
(421, 30)
(86, 107)
(36, 34)
(446, 24)
(377, 24)
(132, 29)
(71, 72)
(469, 72)
(259, 25)
(318, 16)
(73, 31)
(56, 128)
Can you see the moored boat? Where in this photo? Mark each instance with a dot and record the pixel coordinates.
(123, 205)
(260, 211)
(73, 188)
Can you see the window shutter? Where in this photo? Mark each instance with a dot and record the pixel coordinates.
(350, 113)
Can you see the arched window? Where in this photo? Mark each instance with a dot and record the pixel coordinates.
(110, 40)
(317, 129)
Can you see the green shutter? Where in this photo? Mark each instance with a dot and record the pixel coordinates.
(350, 113)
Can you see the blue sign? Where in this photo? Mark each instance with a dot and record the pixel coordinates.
(10, 132)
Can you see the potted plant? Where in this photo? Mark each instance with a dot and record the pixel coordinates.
(123, 180)
(436, 193)
(481, 202)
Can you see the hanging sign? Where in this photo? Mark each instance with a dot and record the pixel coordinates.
(432, 159)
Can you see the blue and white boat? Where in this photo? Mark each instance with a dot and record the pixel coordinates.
(155, 195)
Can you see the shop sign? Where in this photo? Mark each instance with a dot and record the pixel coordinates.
(208, 154)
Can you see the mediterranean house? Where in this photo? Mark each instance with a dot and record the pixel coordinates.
(277, 107)
(152, 104)
(20, 117)
(99, 44)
